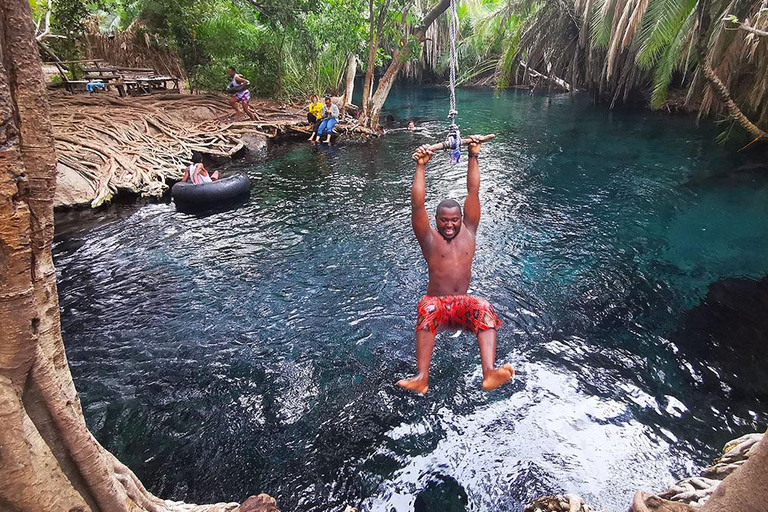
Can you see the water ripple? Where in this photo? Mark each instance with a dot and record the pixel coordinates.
(255, 349)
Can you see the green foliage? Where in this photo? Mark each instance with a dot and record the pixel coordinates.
(229, 37)
(284, 48)
(666, 64)
(490, 35)
(662, 26)
(67, 18)
(601, 22)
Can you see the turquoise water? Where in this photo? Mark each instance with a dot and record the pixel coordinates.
(255, 349)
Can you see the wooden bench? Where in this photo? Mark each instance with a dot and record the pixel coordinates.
(132, 81)
(141, 85)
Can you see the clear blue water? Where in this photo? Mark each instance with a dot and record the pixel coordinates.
(256, 349)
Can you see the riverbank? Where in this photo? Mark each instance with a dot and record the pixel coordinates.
(109, 145)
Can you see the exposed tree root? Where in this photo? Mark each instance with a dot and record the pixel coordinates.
(687, 495)
(646, 502)
(559, 503)
(137, 144)
(49, 461)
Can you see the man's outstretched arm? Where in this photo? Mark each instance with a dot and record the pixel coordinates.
(419, 216)
(472, 203)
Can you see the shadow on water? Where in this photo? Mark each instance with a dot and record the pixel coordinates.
(255, 348)
(724, 343)
(205, 210)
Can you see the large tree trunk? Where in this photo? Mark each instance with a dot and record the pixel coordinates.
(49, 461)
(373, 46)
(376, 29)
(349, 87)
(370, 116)
(746, 489)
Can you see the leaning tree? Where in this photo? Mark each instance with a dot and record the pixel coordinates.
(372, 106)
(49, 461)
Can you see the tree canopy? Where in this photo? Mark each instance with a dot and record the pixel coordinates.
(621, 50)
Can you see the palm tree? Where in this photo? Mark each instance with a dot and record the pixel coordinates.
(618, 48)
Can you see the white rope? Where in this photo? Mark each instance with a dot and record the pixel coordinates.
(454, 19)
(454, 137)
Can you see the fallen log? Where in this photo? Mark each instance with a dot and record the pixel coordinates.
(551, 78)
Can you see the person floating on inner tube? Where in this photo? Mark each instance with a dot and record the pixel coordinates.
(330, 116)
(197, 173)
(238, 88)
(449, 250)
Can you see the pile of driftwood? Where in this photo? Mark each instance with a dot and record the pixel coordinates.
(137, 144)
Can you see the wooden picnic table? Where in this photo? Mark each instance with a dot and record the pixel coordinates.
(106, 78)
(138, 85)
(95, 61)
(125, 80)
(115, 69)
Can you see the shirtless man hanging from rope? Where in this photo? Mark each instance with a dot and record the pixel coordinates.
(449, 250)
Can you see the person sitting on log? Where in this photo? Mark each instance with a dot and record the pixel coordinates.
(238, 88)
(315, 110)
(197, 173)
(330, 116)
(449, 251)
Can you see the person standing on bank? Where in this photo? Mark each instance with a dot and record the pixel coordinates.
(448, 251)
(238, 88)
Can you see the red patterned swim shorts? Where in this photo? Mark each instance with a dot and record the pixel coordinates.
(456, 312)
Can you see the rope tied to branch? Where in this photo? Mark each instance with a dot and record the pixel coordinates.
(454, 141)
(454, 136)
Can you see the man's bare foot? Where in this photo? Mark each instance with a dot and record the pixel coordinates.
(417, 384)
(498, 377)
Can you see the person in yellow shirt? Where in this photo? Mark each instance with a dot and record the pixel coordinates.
(315, 108)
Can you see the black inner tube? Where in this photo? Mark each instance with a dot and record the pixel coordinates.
(221, 190)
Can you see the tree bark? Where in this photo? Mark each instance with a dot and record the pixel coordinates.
(350, 82)
(746, 489)
(49, 461)
(370, 116)
(376, 29)
(372, 48)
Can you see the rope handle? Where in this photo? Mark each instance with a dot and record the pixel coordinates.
(442, 146)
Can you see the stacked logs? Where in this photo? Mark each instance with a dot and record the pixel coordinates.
(137, 144)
